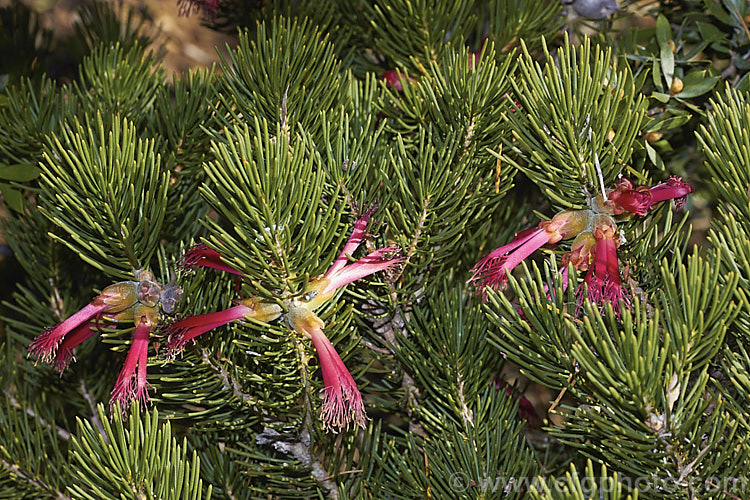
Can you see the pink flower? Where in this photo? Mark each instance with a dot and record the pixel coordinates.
(639, 200)
(627, 198)
(113, 299)
(185, 330)
(526, 409)
(393, 79)
(674, 189)
(603, 277)
(202, 256)
(72, 340)
(492, 270)
(342, 272)
(342, 401)
(580, 251)
(131, 385)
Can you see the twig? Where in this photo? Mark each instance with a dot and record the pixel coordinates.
(301, 451)
(304, 360)
(94, 414)
(689, 467)
(228, 380)
(466, 414)
(562, 393)
(36, 482)
(735, 497)
(63, 433)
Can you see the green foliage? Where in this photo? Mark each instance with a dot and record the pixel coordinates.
(23, 42)
(279, 77)
(137, 460)
(32, 450)
(587, 487)
(267, 215)
(511, 21)
(120, 80)
(404, 29)
(124, 173)
(103, 24)
(457, 458)
(580, 112)
(271, 156)
(31, 112)
(640, 382)
(726, 144)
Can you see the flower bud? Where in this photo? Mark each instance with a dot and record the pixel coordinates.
(605, 227)
(580, 251)
(653, 137)
(150, 315)
(118, 296)
(566, 224)
(170, 297)
(261, 309)
(303, 320)
(149, 291)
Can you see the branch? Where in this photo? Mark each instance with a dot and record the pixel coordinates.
(94, 413)
(227, 380)
(35, 482)
(301, 451)
(63, 433)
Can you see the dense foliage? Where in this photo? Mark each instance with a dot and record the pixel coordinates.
(317, 269)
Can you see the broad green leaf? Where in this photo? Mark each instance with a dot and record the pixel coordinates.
(744, 83)
(669, 123)
(656, 76)
(696, 83)
(12, 197)
(654, 157)
(664, 36)
(718, 12)
(20, 172)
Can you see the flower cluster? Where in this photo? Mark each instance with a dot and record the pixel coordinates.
(594, 248)
(141, 302)
(342, 401)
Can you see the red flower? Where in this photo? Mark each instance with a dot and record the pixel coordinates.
(393, 78)
(639, 200)
(526, 409)
(580, 251)
(492, 270)
(113, 299)
(603, 277)
(342, 401)
(131, 385)
(674, 189)
(202, 256)
(342, 272)
(72, 340)
(185, 330)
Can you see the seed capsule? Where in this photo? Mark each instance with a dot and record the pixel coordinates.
(676, 86)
